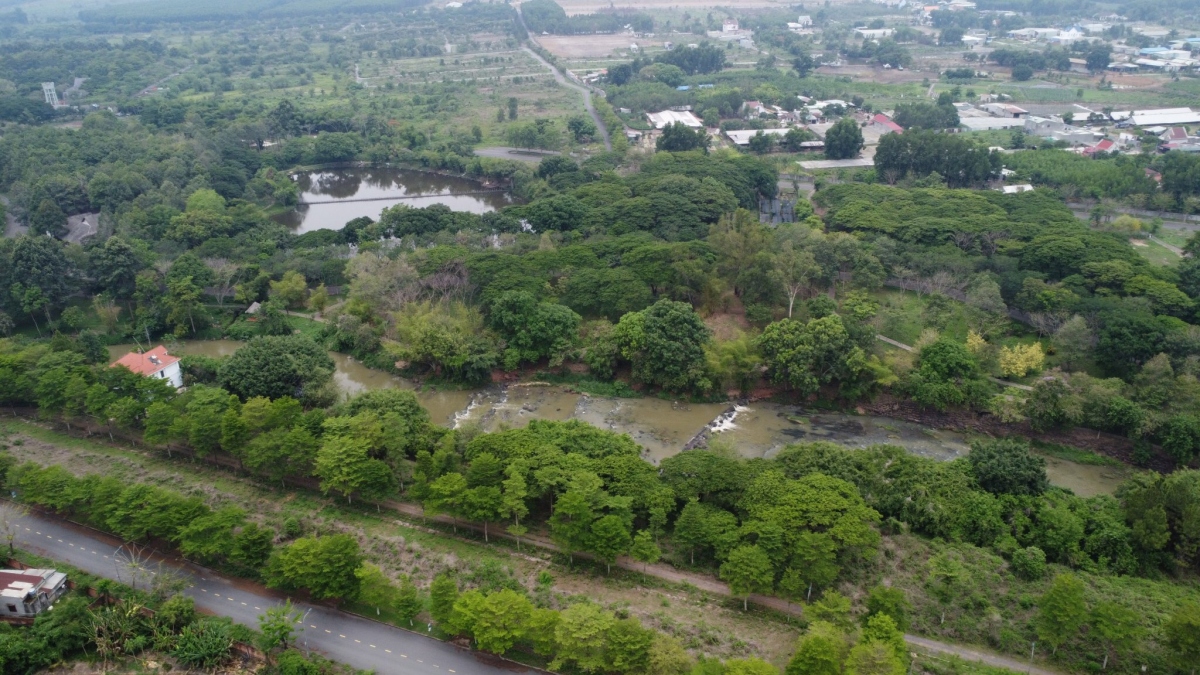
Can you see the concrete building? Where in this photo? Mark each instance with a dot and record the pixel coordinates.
(26, 593)
(1005, 110)
(156, 363)
(741, 138)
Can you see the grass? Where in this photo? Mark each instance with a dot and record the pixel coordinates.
(586, 384)
(1076, 455)
(1157, 254)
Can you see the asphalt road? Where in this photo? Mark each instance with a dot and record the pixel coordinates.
(340, 637)
(561, 79)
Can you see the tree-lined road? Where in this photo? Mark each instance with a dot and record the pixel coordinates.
(341, 637)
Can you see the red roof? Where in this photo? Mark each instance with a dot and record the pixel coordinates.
(1177, 134)
(149, 362)
(886, 121)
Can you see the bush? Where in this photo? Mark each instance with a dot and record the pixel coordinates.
(1029, 563)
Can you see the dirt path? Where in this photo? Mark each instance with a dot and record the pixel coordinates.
(562, 80)
(909, 348)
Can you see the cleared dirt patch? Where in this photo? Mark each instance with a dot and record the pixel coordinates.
(593, 46)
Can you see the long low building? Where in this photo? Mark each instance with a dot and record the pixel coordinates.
(991, 123)
(742, 137)
(668, 117)
(1159, 117)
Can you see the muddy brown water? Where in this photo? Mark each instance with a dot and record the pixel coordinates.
(664, 427)
(343, 192)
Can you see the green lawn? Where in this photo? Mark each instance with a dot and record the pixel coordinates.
(1156, 253)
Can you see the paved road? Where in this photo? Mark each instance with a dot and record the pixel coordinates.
(341, 637)
(561, 79)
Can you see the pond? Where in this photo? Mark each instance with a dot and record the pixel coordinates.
(331, 198)
(664, 427)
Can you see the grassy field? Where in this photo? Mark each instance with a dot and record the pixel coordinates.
(1155, 252)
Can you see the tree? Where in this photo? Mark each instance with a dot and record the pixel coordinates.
(679, 137)
(375, 589)
(795, 271)
(1061, 611)
(512, 108)
(277, 366)
(581, 636)
(443, 593)
(319, 299)
(628, 647)
(873, 658)
(183, 298)
(1073, 341)
(291, 289)
(945, 579)
(1119, 628)
(889, 601)
(844, 139)
(345, 465)
(609, 539)
(1006, 466)
(325, 566)
(501, 621)
(665, 343)
(277, 625)
(48, 219)
(1022, 72)
(408, 600)
(803, 64)
(747, 570)
(820, 651)
(10, 513)
(1029, 563)
(804, 356)
(644, 550)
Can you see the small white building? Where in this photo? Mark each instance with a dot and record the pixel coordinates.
(874, 33)
(662, 119)
(1016, 189)
(729, 26)
(156, 363)
(27, 593)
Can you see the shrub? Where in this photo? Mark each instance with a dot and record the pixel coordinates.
(1029, 563)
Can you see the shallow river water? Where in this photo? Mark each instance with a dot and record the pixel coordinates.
(664, 427)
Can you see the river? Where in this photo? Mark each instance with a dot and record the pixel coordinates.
(346, 194)
(664, 427)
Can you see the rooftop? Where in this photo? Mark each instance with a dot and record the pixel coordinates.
(147, 363)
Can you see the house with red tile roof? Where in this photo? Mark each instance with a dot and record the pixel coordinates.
(156, 363)
(26, 593)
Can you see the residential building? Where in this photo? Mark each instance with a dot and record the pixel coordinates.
(884, 125)
(1005, 110)
(27, 593)
(1016, 189)
(804, 21)
(156, 363)
(729, 26)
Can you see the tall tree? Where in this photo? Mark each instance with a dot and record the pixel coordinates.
(1061, 611)
(747, 570)
(844, 139)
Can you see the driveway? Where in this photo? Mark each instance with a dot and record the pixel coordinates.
(348, 639)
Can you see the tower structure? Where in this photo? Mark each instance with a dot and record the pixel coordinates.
(50, 94)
